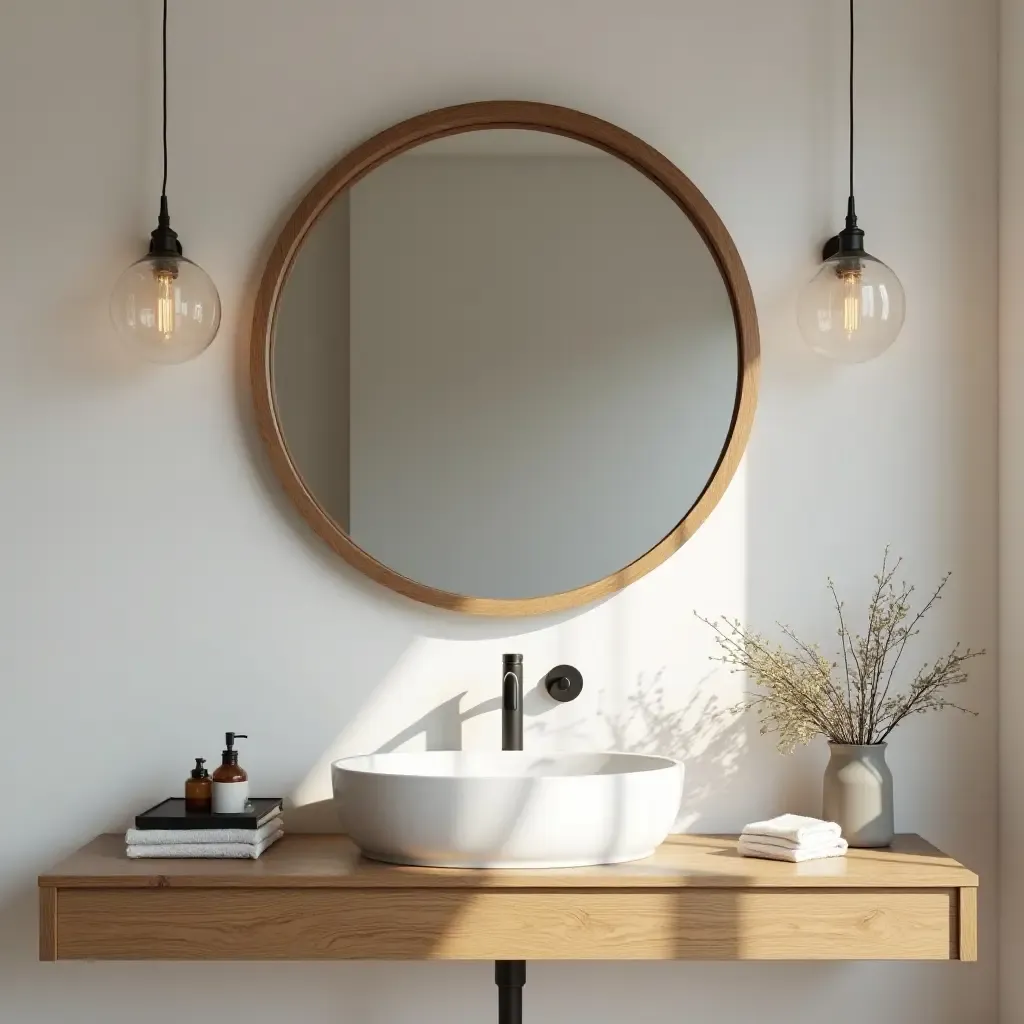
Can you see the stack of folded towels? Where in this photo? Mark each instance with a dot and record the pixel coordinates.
(792, 837)
(228, 843)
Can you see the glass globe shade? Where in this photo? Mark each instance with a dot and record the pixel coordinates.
(166, 307)
(852, 309)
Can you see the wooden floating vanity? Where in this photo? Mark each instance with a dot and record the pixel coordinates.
(315, 898)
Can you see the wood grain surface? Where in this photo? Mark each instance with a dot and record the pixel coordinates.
(968, 923)
(314, 897)
(47, 923)
(429, 924)
(325, 861)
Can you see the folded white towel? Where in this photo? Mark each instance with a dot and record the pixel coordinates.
(795, 828)
(163, 836)
(821, 842)
(216, 851)
(769, 851)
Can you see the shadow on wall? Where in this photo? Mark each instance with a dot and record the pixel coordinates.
(703, 733)
(440, 729)
(707, 737)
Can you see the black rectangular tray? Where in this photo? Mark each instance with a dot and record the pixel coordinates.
(171, 813)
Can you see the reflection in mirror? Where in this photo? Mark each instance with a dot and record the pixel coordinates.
(505, 363)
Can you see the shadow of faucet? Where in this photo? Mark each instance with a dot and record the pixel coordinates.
(442, 725)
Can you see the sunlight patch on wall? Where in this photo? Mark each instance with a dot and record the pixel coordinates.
(650, 685)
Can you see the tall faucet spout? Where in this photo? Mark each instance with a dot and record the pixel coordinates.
(512, 702)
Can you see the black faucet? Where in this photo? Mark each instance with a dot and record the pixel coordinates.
(563, 683)
(512, 702)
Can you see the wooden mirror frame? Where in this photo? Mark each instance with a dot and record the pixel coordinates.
(475, 117)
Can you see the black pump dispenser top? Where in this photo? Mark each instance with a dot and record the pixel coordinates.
(230, 755)
(199, 772)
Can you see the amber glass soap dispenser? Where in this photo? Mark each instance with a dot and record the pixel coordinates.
(230, 781)
(198, 790)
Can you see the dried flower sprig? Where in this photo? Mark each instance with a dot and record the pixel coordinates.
(799, 696)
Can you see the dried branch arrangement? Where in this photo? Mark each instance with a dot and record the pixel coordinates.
(802, 694)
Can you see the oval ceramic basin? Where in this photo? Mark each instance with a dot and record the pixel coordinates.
(507, 809)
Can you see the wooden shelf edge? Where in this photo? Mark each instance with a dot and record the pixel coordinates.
(967, 924)
(48, 924)
(439, 924)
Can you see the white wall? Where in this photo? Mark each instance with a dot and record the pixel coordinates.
(532, 415)
(1011, 509)
(157, 590)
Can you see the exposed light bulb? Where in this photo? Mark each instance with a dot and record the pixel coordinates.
(166, 307)
(852, 309)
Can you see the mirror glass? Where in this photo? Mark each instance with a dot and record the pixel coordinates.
(505, 363)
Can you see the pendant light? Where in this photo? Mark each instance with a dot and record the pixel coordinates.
(853, 308)
(165, 305)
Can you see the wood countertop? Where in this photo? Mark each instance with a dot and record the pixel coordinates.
(332, 861)
(314, 897)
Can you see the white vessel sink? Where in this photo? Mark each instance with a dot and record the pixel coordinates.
(507, 809)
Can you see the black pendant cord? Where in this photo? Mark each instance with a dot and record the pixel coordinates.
(851, 98)
(163, 241)
(849, 241)
(163, 187)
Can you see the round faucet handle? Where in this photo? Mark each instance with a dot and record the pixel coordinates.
(564, 683)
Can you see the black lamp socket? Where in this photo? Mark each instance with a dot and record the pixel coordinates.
(163, 241)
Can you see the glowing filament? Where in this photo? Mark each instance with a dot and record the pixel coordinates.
(165, 303)
(851, 302)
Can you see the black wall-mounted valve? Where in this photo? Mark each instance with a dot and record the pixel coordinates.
(564, 683)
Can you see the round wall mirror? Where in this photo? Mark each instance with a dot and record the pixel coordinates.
(505, 358)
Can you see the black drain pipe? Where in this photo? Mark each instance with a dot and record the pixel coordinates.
(510, 977)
